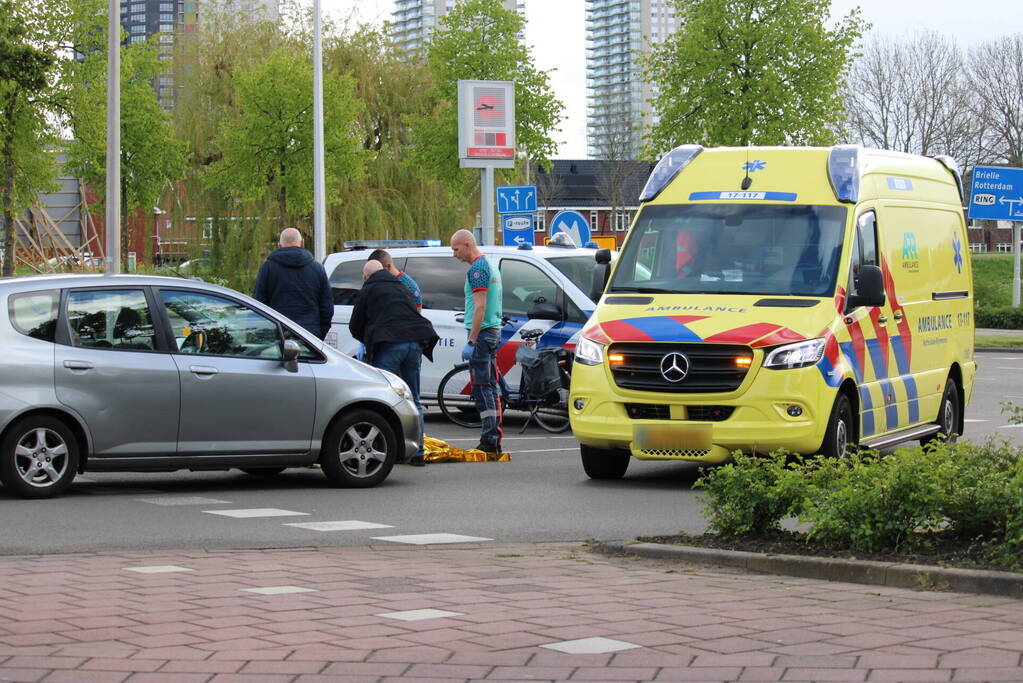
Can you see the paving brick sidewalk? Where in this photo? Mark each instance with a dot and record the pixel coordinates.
(142, 617)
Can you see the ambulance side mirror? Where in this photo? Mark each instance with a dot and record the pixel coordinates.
(869, 288)
(601, 272)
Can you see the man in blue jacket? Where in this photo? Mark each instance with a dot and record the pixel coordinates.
(294, 283)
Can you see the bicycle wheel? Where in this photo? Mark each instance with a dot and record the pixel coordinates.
(553, 418)
(455, 398)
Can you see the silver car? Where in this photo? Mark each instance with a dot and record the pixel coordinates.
(132, 372)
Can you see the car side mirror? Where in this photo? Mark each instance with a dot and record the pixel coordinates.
(291, 353)
(545, 311)
(869, 288)
(601, 272)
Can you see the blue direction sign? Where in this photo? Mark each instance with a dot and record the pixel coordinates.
(515, 198)
(573, 223)
(517, 229)
(997, 194)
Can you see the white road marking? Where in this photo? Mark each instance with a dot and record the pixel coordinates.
(591, 646)
(427, 539)
(420, 614)
(256, 512)
(345, 525)
(969, 420)
(279, 590)
(1011, 426)
(181, 500)
(158, 569)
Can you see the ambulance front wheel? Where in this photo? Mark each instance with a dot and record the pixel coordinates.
(948, 415)
(839, 440)
(601, 463)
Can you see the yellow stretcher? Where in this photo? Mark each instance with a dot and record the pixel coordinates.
(435, 450)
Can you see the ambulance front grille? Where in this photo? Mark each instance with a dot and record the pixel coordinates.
(675, 452)
(711, 367)
(655, 411)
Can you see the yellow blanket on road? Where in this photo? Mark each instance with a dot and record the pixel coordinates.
(435, 450)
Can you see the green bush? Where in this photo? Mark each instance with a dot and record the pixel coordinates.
(751, 495)
(992, 281)
(980, 485)
(1007, 318)
(866, 502)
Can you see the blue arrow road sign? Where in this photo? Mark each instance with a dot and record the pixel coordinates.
(574, 223)
(514, 198)
(996, 194)
(517, 229)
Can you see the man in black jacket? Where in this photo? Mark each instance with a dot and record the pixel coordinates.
(294, 283)
(396, 336)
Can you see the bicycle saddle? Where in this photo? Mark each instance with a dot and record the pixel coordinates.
(530, 335)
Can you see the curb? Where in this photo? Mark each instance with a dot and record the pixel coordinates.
(913, 576)
(998, 349)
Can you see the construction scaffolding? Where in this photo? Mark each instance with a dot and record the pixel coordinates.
(42, 245)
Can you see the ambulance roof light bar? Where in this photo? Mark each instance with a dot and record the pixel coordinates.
(667, 168)
(844, 172)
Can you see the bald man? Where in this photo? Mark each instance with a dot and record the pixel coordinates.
(294, 283)
(483, 313)
(395, 335)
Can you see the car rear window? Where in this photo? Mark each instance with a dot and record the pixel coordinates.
(34, 314)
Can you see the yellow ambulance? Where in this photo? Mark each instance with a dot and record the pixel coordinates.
(806, 299)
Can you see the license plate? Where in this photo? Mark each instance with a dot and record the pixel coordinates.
(671, 437)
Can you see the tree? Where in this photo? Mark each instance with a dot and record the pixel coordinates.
(266, 150)
(26, 158)
(478, 40)
(913, 97)
(996, 74)
(749, 72)
(149, 157)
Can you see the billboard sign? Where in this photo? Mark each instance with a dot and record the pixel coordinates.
(486, 123)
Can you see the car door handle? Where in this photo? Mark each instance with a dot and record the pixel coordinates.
(203, 370)
(78, 365)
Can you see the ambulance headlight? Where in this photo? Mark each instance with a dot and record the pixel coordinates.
(589, 352)
(667, 168)
(798, 355)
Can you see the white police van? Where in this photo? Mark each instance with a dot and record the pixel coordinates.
(544, 288)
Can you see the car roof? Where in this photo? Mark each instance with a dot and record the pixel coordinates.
(37, 282)
(539, 252)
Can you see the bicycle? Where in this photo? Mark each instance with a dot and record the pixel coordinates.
(550, 412)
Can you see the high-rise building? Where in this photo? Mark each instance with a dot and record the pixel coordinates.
(412, 21)
(142, 19)
(617, 33)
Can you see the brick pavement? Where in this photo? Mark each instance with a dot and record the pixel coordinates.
(192, 616)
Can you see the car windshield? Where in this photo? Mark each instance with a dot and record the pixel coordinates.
(732, 249)
(578, 269)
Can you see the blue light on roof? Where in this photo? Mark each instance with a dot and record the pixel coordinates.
(667, 168)
(844, 172)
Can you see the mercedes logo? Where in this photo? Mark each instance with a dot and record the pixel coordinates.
(674, 366)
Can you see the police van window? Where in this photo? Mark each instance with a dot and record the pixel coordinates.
(34, 314)
(525, 285)
(441, 279)
(864, 251)
(346, 281)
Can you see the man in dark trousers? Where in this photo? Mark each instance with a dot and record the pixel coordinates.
(294, 283)
(395, 334)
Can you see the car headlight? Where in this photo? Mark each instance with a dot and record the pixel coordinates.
(798, 355)
(589, 352)
(398, 384)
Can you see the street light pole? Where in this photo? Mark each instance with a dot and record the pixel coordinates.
(112, 260)
(319, 202)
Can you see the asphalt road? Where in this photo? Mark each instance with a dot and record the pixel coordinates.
(541, 495)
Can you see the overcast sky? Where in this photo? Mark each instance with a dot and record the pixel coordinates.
(555, 29)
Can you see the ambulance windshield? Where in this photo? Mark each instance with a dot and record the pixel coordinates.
(732, 249)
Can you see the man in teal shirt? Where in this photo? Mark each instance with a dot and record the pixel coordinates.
(483, 316)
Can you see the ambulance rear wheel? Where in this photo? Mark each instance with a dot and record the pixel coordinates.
(600, 463)
(839, 440)
(948, 416)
